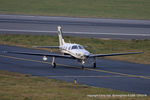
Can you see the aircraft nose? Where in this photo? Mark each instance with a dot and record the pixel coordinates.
(86, 54)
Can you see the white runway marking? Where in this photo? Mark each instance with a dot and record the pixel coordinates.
(85, 76)
(67, 32)
(88, 76)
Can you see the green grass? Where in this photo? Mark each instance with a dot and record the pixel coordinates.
(93, 45)
(129, 9)
(15, 86)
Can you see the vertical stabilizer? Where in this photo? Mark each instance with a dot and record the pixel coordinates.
(61, 40)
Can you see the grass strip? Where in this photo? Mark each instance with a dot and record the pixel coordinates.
(15, 86)
(128, 9)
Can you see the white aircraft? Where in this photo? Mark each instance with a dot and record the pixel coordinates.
(71, 51)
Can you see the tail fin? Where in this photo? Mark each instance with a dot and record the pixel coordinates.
(61, 40)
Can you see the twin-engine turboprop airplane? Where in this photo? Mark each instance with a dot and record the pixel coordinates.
(71, 51)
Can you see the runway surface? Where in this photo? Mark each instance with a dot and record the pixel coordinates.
(81, 27)
(112, 74)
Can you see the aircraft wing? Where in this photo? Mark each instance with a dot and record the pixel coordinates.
(114, 54)
(40, 54)
(51, 47)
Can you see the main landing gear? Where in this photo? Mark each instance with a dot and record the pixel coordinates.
(94, 64)
(53, 62)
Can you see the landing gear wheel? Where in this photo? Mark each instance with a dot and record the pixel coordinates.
(82, 67)
(83, 62)
(54, 65)
(94, 65)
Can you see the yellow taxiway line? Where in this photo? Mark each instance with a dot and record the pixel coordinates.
(97, 70)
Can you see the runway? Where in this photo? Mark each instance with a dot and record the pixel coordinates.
(111, 74)
(80, 27)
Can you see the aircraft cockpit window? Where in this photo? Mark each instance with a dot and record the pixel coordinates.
(80, 47)
(74, 47)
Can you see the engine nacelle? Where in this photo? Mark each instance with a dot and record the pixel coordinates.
(44, 58)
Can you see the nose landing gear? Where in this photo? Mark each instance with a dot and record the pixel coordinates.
(83, 62)
(94, 63)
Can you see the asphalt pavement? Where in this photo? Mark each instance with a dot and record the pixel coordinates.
(111, 74)
(80, 27)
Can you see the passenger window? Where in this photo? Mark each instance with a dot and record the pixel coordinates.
(69, 48)
(74, 47)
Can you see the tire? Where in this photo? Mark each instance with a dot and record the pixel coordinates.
(82, 67)
(54, 65)
(94, 65)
